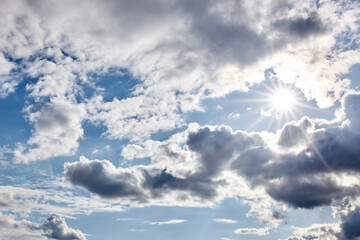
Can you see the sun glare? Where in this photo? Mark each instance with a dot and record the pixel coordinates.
(282, 100)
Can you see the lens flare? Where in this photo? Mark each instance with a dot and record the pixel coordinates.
(282, 100)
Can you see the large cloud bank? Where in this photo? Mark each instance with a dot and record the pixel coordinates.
(308, 163)
(179, 52)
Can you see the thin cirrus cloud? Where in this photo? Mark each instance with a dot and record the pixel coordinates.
(252, 231)
(225, 220)
(174, 221)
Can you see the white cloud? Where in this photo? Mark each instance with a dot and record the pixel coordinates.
(22, 230)
(174, 221)
(234, 115)
(225, 220)
(180, 52)
(254, 231)
(67, 202)
(265, 113)
(270, 171)
(54, 227)
(58, 129)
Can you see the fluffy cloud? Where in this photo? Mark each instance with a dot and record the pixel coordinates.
(318, 231)
(58, 129)
(179, 53)
(307, 164)
(54, 227)
(138, 185)
(347, 228)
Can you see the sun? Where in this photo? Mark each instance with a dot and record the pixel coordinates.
(282, 100)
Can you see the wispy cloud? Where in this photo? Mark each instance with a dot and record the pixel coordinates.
(254, 231)
(174, 221)
(225, 220)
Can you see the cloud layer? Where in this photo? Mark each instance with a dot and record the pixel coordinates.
(307, 164)
(178, 53)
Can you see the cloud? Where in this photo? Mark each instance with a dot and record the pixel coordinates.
(317, 231)
(306, 164)
(350, 224)
(254, 231)
(57, 131)
(225, 220)
(234, 115)
(23, 229)
(43, 198)
(174, 221)
(347, 227)
(137, 185)
(54, 227)
(179, 53)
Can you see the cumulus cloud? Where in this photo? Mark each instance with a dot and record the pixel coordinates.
(306, 164)
(23, 229)
(137, 185)
(318, 231)
(54, 227)
(347, 228)
(178, 52)
(58, 129)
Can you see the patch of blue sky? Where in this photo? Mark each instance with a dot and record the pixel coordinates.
(13, 126)
(116, 83)
(354, 76)
(139, 223)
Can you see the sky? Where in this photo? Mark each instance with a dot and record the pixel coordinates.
(191, 119)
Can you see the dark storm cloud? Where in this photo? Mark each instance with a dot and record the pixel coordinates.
(351, 224)
(302, 27)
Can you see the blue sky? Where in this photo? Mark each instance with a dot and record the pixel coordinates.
(179, 120)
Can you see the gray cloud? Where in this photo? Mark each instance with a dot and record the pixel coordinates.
(55, 227)
(302, 27)
(142, 185)
(179, 52)
(350, 224)
(347, 228)
(102, 178)
(306, 172)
